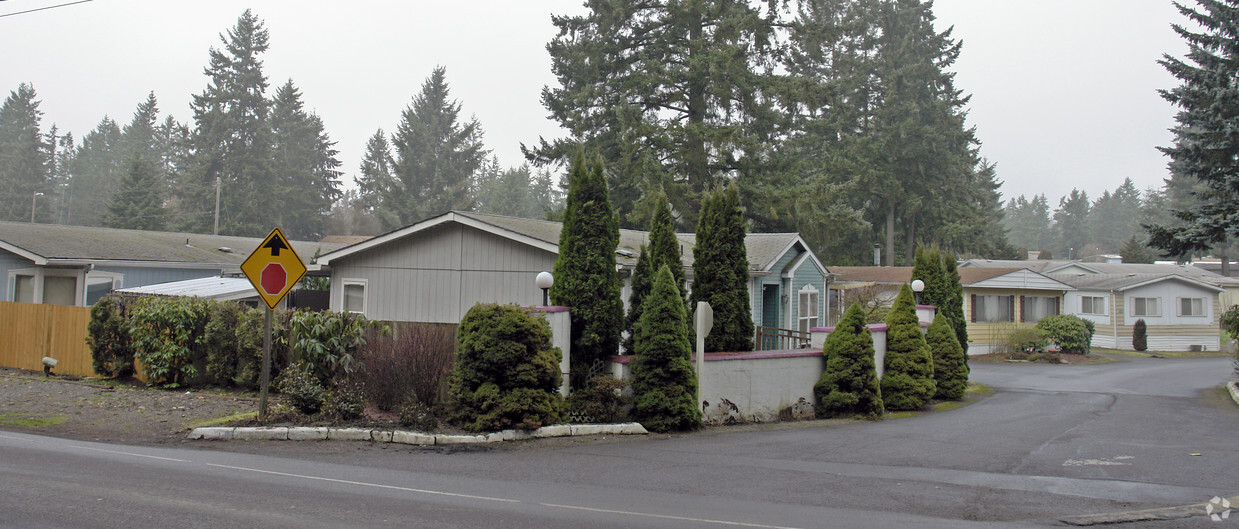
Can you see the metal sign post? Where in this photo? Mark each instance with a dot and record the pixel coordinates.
(274, 269)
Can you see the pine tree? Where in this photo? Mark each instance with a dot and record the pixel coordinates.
(95, 174)
(1205, 147)
(720, 272)
(1071, 224)
(642, 278)
(375, 176)
(664, 384)
(664, 246)
(436, 157)
(849, 385)
(1133, 251)
(950, 362)
(585, 275)
(306, 171)
(952, 308)
(907, 383)
(928, 268)
(23, 156)
(139, 136)
(138, 204)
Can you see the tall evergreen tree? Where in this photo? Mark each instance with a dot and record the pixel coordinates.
(908, 380)
(23, 156)
(927, 266)
(1115, 216)
(950, 362)
(140, 134)
(1134, 251)
(664, 245)
(435, 160)
(952, 306)
(138, 203)
(1206, 138)
(642, 278)
(1071, 224)
(304, 165)
(664, 384)
(849, 385)
(720, 272)
(585, 275)
(95, 174)
(232, 139)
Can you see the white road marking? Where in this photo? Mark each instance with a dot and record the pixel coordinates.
(364, 484)
(130, 454)
(667, 517)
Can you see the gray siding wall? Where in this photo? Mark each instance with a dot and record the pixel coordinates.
(10, 261)
(438, 274)
(139, 277)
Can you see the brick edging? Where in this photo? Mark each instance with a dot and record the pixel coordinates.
(297, 433)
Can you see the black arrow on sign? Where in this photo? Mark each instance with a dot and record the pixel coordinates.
(276, 244)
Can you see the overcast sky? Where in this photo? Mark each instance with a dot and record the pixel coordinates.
(1063, 91)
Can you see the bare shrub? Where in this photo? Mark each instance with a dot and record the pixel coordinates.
(414, 360)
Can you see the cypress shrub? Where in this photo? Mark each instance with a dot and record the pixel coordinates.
(908, 382)
(642, 275)
(950, 369)
(952, 306)
(506, 373)
(664, 246)
(849, 385)
(585, 275)
(111, 347)
(1140, 335)
(663, 381)
(927, 266)
(720, 272)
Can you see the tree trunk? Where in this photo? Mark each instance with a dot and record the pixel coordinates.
(910, 250)
(890, 233)
(694, 143)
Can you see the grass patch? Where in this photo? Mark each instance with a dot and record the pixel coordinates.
(10, 419)
(219, 421)
(978, 389)
(1162, 354)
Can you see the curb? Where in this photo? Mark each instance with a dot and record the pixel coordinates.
(1162, 514)
(282, 433)
(1233, 387)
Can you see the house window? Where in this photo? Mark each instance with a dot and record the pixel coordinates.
(993, 309)
(23, 288)
(808, 308)
(1033, 308)
(1145, 307)
(1093, 305)
(355, 296)
(59, 290)
(1191, 306)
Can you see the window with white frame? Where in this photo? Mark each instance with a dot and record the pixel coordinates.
(355, 296)
(1191, 306)
(993, 309)
(1145, 307)
(1092, 305)
(808, 308)
(1033, 308)
(23, 288)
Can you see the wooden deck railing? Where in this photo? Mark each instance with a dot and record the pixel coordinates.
(774, 338)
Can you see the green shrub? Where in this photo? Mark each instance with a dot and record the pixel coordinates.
(664, 383)
(849, 385)
(1025, 340)
(249, 339)
(908, 382)
(346, 402)
(950, 369)
(1140, 336)
(602, 401)
(219, 342)
(111, 347)
(326, 341)
(1070, 332)
(506, 373)
(301, 387)
(165, 334)
(417, 415)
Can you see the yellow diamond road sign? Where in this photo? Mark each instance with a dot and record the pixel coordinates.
(273, 268)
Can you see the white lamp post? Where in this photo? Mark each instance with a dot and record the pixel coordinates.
(918, 286)
(33, 197)
(544, 282)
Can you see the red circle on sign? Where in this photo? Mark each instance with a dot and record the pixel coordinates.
(273, 279)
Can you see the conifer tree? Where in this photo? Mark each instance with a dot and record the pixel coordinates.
(720, 272)
(664, 246)
(585, 275)
(1140, 335)
(664, 384)
(950, 368)
(23, 154)
(952, 308)
(95, 173)
(305, 168)
(908, 380)
(138, 204)
(927, 266)
(849, 385)
(642, 277)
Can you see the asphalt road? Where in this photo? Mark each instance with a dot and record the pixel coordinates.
(1052, 442)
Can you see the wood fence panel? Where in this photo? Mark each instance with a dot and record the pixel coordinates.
(29, 331)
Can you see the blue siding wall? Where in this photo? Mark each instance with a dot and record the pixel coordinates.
(10, 261)
(138, 277)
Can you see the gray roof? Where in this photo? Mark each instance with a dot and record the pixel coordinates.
(1055, 266)
(1035, 265)
(220, 288)
(762, 249)
(60, 244)
(1085, 281)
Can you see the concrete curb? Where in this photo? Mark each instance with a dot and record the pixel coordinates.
(1166, 513)
(1233, 387)
(296, 433)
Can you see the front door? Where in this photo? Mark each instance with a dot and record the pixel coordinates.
(769, 314)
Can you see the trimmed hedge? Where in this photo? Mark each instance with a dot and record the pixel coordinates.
(664, 384)
(908, 382)
(950, 367)
(1072, 334)
(849, 385)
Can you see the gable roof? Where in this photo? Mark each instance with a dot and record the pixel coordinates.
(1009, 278)
(887, 275)
(763, 249)
(53, 244)
(1121, 282)
(220, 288)
(1035, 265)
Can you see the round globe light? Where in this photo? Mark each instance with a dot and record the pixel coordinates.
(918, 286)
(544, 280)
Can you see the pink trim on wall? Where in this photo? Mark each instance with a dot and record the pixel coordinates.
(927, 307)
(548, 308)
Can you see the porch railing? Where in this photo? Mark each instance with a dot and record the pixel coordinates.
(774, 338)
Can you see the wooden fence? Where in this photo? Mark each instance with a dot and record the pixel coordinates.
(29, 332)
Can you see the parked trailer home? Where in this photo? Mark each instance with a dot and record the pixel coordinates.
(1181, 313)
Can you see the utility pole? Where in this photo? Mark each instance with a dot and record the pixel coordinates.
(216, 230)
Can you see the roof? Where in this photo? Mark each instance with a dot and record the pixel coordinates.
(221, 288)
(1036, 265)
(762, 249)
(890, 275)
(346, 239)
(78, 245)
(1197, 273)
(1120, 282)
